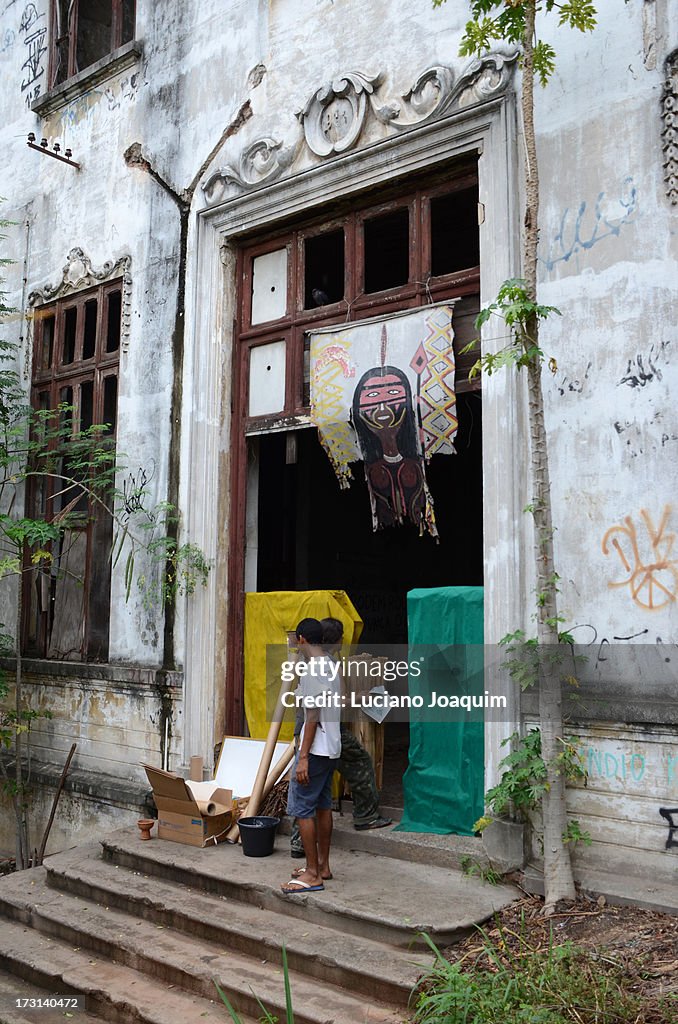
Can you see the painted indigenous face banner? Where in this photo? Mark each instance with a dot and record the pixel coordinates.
(382, 392)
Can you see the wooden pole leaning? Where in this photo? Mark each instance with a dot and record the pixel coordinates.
(233, 835)
(262, 778)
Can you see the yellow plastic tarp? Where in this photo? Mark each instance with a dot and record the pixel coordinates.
(268, 619)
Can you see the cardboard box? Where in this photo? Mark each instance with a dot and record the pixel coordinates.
(182, 818)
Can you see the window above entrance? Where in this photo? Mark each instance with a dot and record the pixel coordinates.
(404, 251)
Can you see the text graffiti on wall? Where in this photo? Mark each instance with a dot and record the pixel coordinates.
(624, 765)
(582, 229)
(33, 27)
(644, 552)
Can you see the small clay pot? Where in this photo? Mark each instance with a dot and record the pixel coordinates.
(145, 825)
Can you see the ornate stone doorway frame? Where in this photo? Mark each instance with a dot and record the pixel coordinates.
(487, 128)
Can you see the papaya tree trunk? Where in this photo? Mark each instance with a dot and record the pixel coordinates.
(558, 879)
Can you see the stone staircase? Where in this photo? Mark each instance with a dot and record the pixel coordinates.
(141, 930)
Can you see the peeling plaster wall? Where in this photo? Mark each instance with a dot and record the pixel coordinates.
(608, 262)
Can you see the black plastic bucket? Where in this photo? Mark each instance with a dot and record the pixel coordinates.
(258, 835)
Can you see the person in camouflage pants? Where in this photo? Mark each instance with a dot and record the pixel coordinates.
(355, 764)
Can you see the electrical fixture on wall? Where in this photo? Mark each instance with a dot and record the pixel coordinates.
(55, 151)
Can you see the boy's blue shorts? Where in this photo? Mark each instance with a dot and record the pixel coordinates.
(304, 801)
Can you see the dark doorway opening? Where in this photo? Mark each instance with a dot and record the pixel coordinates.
(312, 535)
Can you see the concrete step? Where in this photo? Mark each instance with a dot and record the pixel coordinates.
(444, 851)
(111, 992)
(17, 995)
(119, 913)
(182, 962)
(384, 899)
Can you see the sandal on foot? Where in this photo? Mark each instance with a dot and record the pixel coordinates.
(299, 886)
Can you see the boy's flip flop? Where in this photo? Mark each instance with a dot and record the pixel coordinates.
(299, 886)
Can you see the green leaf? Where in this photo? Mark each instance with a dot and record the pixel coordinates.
(222, 995)
(289, 1012)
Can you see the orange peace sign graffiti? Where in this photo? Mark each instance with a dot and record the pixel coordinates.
(651, 573)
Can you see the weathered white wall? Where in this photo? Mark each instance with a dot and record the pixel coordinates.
(608, 262)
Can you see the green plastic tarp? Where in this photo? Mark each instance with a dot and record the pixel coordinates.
(443, 786)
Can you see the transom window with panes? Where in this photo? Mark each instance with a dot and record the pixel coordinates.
(396, 253)
(84, 31)
(75, 371)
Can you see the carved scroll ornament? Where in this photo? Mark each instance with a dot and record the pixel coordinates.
(78, 274)
(334, 117)
(261, 162)
(435, 92)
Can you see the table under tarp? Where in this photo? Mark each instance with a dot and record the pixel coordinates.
(443, 786)
(268, 618)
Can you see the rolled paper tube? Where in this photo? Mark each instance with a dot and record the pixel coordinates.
(278, 768)
(210, 799)
(209, 808)
(195, 768)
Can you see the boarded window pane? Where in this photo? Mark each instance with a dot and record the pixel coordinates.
(455, 240)
(70, 328)
(68, 625)
(387, 251)
(113, 321)
(269, 286)
(47, 347)
(267, 379)
(89, 340)
(323, 269)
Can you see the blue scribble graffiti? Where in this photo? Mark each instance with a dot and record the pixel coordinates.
(575, 236)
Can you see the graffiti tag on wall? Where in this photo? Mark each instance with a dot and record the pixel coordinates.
(33, 28)
(623, 764)
(644, 368)
(644, 552)
(583, 228)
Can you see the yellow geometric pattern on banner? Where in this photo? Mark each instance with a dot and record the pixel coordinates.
(438, 400)
(331, 366)
(268, 619)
